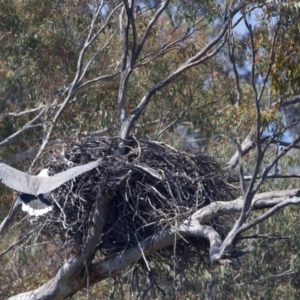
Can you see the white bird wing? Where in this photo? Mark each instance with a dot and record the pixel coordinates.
(18, 180)
(48, 184)
(36, 185)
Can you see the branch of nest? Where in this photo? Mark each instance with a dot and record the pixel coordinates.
(192, 227)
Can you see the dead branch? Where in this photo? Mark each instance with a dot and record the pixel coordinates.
(273, 276)
(152, 198)
(200, 57)
(264, 236)
(27, 126)
(15, 114)
(287, 102)
(15, 243)
(76, 84)
(271, 176)
(231, 49)
(4, 224)
(260, 201)
(71, 277)
(110, 266)
(247, 145)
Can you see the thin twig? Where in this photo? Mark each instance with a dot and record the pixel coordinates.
(16, 243)
(12, 114)
(283, 274)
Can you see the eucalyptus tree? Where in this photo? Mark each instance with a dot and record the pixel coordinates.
(174, 71)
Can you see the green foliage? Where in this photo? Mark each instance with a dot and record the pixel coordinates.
(40, 45)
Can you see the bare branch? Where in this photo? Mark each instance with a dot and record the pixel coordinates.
(20, 113)
(76, 84)
(273, 276)
(231, 48)
(190, 227)
(94, 80)
(15, 243)
(248, 197)
(287, 102)
(200, 57)
(241, 172)
(27, 126)
(268, 214)
(90, 39)
(162, 239)
(264, 236)
(71, 276)
(92, 59)
(273, 176)
(127, 60)
(61, 287)
(241, 17)
(237, 228)
(126, 68)
(247, 145)
(260, 201)
(280, 154)
(163, 6)
(168, 46)
(185, 111)
(4, 224)
(257, 97)
(271, 60)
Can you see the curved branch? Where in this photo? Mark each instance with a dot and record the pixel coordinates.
(260, 201)
(200, 57)
(80, 71)
(4, 224)
(71, 276)
(247, 145)
(272, 176)
(27, 126)
(192, 227)
(290, 101)
(60, 286)
(11, 114)
(149, 27)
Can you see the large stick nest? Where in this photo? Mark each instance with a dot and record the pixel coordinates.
(155, 187)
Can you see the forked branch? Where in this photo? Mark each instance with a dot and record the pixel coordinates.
(60, 287)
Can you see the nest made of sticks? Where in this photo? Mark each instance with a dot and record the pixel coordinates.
(161, 187)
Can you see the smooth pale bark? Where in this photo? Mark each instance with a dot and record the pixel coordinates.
(260, 201)
(4, 224)
(71, 277)
(247, 145)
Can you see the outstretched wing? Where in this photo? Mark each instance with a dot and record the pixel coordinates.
(48, 184)
(18, 180)
(36, 185)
